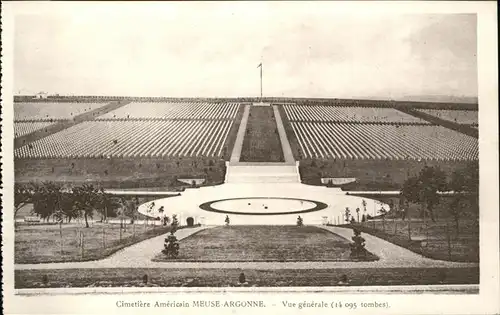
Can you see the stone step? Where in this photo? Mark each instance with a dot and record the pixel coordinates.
(262, 169)
(262, 179)
(259, 164)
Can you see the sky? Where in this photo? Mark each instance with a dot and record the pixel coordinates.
(213, 49)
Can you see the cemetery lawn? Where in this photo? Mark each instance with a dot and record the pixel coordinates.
(442, 240)
(160, 277)
(262, 142)
(41, 243)
(263, 243)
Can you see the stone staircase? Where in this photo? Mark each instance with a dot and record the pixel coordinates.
(262, 172)
(239, 173)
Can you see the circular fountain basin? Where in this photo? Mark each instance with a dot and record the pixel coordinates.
(263, 206)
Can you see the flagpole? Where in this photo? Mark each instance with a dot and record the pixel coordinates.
(261, 82)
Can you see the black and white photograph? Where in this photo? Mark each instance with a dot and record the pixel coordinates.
(225, 151)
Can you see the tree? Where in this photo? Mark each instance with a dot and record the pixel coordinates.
(471, 173)
(431, 180)
(130, 209)
(67, 207)
(363, 203)
(46, 199)
(347, 214)
(410, 190)
(383, 213)
(357, 213)
(424, 189)
(87, 199)
(101, 204)
(458, 185)
(22, 195)
(390, 203)
(465, 185)
(127, 209)
(59, 216)
(166, 220)
(107, 205)
(174, 224)
(151, 207)
(402, 207)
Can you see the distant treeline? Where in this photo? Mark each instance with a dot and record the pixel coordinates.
(296, 100)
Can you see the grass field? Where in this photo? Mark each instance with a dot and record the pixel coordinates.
(121, 172)
(229, 277)
(42, 243)
(463, 247)
(262, 142)
(264, 243)
(372, 174)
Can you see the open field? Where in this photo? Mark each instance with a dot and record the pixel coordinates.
(229, 277)
(42, 243)
(263, 243)
(262, 142)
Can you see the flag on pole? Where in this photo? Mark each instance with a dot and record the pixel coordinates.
(260, 66)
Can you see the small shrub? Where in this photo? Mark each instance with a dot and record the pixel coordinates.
(241, 278)
(358, 250)
(174, 224)
(171, 246)
(300, 221)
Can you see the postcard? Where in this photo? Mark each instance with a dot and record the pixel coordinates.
(241, 157)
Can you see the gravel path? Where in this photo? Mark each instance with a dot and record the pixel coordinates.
(392, 254)
(238, 144)
(140, 255)
(285, 145)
